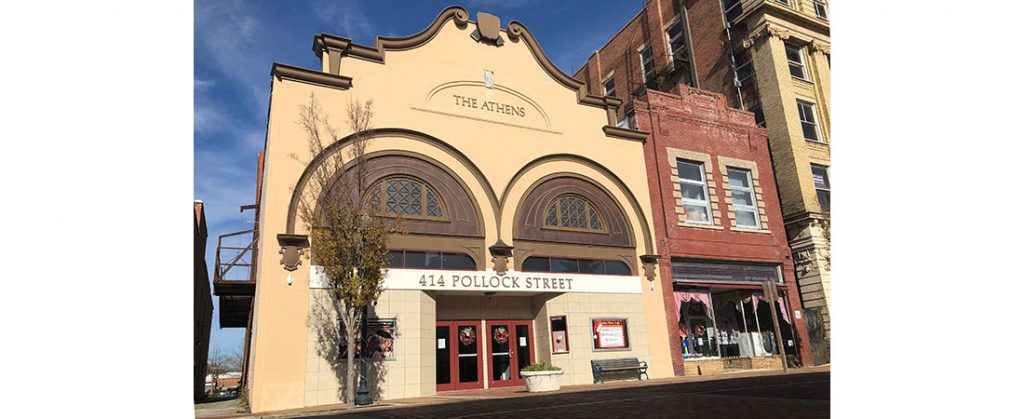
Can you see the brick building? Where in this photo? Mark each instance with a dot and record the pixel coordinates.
(770, 57)
(720, 235)
(202, 303)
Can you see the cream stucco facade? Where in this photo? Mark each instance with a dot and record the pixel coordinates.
(503, 122)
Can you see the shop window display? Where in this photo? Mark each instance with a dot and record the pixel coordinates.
(730, 323)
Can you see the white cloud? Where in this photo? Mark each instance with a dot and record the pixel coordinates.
(227, 37)
(347, 19)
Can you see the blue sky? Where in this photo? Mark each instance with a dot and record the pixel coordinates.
(236, 42)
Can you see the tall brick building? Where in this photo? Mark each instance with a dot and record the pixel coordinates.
(770, 57)
(202, 303)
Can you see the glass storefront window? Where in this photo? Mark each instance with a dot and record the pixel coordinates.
(738, 323)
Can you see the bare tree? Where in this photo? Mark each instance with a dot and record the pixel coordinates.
(221, 362)
(348, 240)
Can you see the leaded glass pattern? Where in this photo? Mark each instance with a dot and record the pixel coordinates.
(433, 206)
(573, 212)
(405, 196)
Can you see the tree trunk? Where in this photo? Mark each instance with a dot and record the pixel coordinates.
(350, 370)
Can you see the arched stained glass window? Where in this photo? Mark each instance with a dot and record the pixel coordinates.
(575, 213)
(405, 196)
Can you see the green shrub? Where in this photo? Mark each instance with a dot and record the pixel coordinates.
(543, 366)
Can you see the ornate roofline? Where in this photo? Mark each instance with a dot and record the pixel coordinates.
(338, 47)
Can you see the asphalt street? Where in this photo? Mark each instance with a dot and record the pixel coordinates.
(779, 396)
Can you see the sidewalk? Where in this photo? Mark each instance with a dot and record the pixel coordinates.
(509, 392)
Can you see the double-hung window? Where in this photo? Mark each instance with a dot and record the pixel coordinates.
(821, 185)
(795, 56)
(744, 203)
(609, 86)
(647, 64)
(694, 188)
(808, 120)
(820, 9)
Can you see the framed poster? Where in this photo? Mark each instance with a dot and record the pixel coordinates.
(610, 334)
(380, 338)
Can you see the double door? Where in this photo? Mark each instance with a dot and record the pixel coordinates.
(464, 346)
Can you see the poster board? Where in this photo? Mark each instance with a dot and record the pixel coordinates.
(610, 334)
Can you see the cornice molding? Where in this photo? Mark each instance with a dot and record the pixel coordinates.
(764, 32)
(383, 43)
(821, 47)
(628, 134)
(285, 71)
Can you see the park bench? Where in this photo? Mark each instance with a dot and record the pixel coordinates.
(623, 367)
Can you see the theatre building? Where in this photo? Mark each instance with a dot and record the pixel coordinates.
(720, 233)
(529, 232)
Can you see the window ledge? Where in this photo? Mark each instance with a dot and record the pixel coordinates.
(801, 81)
(704, 226)
(818, 144)
(751, 230)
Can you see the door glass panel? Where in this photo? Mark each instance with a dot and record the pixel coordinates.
(522, 347)
(444, 358)
(500, 357)
(468, 354)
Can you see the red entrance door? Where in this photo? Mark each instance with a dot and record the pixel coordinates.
(458, 355)
(509, 350)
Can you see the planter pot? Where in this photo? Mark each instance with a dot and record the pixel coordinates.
(541, 381)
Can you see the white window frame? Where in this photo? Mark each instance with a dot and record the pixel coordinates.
(821, 9)
(786, 2)
(604, 84)
(801, 64)
(814, 114)
(643, 66)
(703, 184)
(744, 189)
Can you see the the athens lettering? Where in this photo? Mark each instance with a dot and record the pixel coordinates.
(491, 106)
(494, 281)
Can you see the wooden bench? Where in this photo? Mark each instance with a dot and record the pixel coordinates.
(623, 367)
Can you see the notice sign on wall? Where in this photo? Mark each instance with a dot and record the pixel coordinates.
(610, 334)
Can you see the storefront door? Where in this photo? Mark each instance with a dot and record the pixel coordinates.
(459, 365)
(509, 350)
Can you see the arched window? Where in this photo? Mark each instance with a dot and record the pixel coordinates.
(405, 196)
(573, 212)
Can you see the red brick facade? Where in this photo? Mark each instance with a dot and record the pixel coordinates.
(709, 46)
(701, 122)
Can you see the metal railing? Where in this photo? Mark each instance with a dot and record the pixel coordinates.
(243, 259)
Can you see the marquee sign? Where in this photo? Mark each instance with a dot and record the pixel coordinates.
(511, 281)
